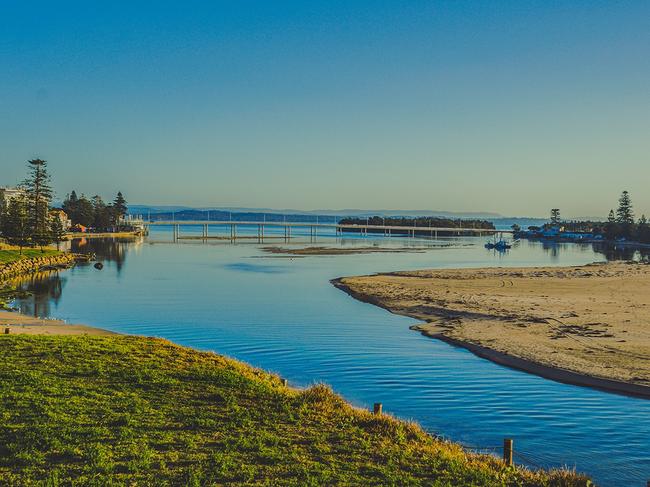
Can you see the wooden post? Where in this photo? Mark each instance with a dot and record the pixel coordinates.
(284, 382)
(7, 331)
(376, 408)
(507, 451)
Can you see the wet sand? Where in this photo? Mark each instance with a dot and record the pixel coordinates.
(20, 324)
(586, 325)
(304, 251)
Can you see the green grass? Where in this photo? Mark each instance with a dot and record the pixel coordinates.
(8, 256)
(141, 411)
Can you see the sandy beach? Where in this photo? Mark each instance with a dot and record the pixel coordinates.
(17, 323)
(586, 325)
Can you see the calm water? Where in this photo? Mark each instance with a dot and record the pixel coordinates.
(282, 314)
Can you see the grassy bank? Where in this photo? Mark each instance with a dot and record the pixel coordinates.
(12, 254)
(127, 410)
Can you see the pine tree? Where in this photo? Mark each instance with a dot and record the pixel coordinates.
(555, 216)
(56, 229)
(119, 206)
(71, 207)
(85, 211)
(102, 213)
(39, 193)
(624, 213)
(16, 224)
(611, 228)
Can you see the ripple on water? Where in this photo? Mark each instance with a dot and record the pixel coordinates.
(288, 318)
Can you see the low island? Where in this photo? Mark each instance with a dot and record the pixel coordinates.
(582, 325)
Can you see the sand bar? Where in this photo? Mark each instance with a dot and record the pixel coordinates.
(586, 325)
(319, 250)
(27, 325)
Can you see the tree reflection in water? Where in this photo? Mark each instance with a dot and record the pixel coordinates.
(609, 251)
(46, 288)
(106, 249)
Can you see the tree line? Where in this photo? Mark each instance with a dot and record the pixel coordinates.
(94, 212)
(621, 223)
(26, 219)
(420, 221)
(419, 224)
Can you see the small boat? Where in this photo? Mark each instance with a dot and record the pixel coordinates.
(501, 245)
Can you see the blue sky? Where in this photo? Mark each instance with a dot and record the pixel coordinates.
(513, 107)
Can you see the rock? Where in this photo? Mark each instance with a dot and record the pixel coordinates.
(99, 266)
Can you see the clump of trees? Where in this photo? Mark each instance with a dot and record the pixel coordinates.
(421, 221)
(26, 220)
(420, 225)
(94, 212)
(620, 223)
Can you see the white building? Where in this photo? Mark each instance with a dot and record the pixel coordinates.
(62, 217)
(7, 194)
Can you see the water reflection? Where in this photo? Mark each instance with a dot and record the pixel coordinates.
(106, 249)
(621, 252)
(44, 290)
(609, 251)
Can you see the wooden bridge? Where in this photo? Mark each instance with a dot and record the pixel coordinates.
(313, 227)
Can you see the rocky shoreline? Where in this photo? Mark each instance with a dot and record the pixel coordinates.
(30, 266)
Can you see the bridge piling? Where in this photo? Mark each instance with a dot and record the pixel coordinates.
(339, 229)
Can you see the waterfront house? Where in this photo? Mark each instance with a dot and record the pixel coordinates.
(66, 223)
(78, 228)
(8, 193)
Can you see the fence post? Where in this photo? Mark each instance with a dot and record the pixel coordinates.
(6, 331)
(284, 382)
(507, 451)
(376, 408)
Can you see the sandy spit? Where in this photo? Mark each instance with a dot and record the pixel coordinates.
(586, 325)
(21, 324)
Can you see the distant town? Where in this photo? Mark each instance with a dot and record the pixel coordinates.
(27, 218)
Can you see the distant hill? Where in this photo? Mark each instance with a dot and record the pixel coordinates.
(167, 212)
(191, 212)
